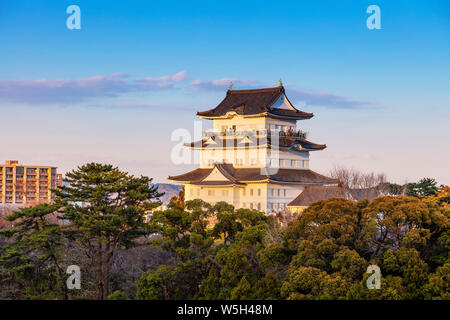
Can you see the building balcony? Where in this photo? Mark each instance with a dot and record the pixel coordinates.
(264, 132)
(232, 133)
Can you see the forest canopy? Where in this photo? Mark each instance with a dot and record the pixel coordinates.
(107, 224)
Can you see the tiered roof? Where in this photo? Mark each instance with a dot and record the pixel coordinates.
(254, 102)
(233, 175)
(255, 141)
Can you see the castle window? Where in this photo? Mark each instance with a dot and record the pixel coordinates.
(259, 206)
(273, 163)
(224, 192)
(210, 193)
(251, 192)
(251, 205)
(259, 192)
(243, 204)
(243, 192)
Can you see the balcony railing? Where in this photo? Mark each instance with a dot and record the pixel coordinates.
(231, 132)
(300, 134)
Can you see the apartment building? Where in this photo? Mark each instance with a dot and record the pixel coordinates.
(27, 184)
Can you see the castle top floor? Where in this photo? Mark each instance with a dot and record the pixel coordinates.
(255, 109)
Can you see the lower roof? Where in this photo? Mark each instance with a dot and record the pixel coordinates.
(316, 193)
(242, 175)
(288, 142)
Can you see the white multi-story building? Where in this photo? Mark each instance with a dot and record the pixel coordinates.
(254, 157)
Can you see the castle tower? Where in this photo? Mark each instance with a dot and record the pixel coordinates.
(254, 157)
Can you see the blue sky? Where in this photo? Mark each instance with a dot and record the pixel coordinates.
(116, 89)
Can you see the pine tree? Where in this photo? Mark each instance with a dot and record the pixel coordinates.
(32, 258)
(106, 209)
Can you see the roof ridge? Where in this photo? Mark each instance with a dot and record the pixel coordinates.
(255, 90)
(222, 167)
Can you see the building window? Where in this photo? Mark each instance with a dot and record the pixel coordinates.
(293, 163)
(225, 193)
(251, 192)
(259, 192)
(210, 193)
(305, 164)
(274, 163)
(259, 206)
(243, 192)
(243, 204)
(198, 192)
(251, 205)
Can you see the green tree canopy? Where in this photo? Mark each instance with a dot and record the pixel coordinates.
(107, 209)
(31, 260)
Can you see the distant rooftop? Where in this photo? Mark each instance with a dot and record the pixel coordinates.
(16, 163)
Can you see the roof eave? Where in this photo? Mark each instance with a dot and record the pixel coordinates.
(299, 117)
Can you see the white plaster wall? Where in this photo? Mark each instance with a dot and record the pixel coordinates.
(241, 123)
(288, 155)
(280, 195)
(212, 194)
(256, 195)
(239, 157)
